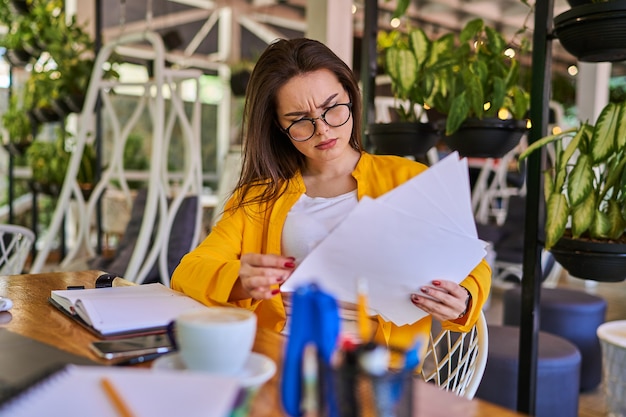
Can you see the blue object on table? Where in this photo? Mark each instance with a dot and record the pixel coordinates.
(314, 320)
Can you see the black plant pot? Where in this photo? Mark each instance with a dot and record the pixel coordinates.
(239, 83)
(18, 57)
(44, 115)
(592, 260)
(18, 149)
(75, 102)
(486, 138)
(402, 138)
(594, 32)
(19, 7)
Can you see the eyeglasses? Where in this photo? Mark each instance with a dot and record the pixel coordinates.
(304, 129)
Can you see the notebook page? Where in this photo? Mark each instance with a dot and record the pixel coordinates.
(77, 392)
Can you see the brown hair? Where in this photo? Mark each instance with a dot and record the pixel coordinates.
(269, 158)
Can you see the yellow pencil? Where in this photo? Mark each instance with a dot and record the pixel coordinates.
(116, 398)
(363, 320)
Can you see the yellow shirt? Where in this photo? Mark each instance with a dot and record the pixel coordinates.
(209, 272)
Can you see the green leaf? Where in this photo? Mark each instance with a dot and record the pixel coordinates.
(521, 102)
(458, 113)
(420, 45)
(402, 68)
(616, 220)
(471, 30)
(580, 182)
(573, 145)
(603, 139)
(401, 8)
(496, 42)
(582, 215)
(548, 184)
(499, 91)
(543, 142)
(620, 138)
(556, 218)
(474, 94)
(613, 175)
(600, 225)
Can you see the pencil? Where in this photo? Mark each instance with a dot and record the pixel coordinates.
(363, 320)
(116, 398)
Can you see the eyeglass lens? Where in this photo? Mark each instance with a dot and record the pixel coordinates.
(334, 116)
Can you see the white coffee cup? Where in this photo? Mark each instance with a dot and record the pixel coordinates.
(215, 339)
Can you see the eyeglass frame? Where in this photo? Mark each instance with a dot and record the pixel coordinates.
(320, 117)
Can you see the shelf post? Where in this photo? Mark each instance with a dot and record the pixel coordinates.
(531, 281)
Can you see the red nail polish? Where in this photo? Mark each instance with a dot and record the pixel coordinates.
(276, 291)
(290, 265)
(415, 298)
(436, 283)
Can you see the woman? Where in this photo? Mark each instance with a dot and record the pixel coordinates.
(304, 169)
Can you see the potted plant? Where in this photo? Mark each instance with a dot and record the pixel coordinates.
(17, 126)
(19, 40)
(411, 61)
(593, 31)
(468, 79)
(585, 194)
(49, 160)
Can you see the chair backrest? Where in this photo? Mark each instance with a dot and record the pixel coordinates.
(456, 361)
(15, 244)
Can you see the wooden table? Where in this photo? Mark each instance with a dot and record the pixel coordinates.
(34, 317)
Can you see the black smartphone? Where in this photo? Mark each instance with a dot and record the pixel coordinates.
(132, 346)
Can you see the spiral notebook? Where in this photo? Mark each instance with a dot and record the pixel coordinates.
(77, 391)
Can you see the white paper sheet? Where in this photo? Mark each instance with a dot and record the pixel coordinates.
(399, 242)
(77, 392)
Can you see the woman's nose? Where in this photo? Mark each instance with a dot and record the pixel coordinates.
(321, 126)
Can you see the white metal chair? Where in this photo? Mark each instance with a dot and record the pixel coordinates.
(456, 361)
(15, 244)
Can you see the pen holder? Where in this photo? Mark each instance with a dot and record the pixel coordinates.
(348, 391)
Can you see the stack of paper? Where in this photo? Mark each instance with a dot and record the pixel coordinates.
(420, 231)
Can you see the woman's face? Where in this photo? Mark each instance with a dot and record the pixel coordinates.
(309, 96)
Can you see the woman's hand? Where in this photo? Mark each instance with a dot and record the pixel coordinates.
(446, 300)
(260, 274)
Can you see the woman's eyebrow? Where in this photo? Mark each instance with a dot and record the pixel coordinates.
(321, 106)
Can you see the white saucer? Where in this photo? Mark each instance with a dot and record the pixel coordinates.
(257, 370)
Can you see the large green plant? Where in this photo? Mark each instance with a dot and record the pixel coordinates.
(460, 76)
(585, 188)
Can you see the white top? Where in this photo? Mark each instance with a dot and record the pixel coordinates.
(311, 219)
(308, 222)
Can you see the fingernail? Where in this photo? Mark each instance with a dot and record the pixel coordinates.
(280, 279)
(292, 258)
(436, 283)
(415, 298)
(290, 265)
(276, 291)
(424, 290)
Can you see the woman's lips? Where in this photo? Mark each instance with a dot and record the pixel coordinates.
(327, 144)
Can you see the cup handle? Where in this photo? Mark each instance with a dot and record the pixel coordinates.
(171, 334)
